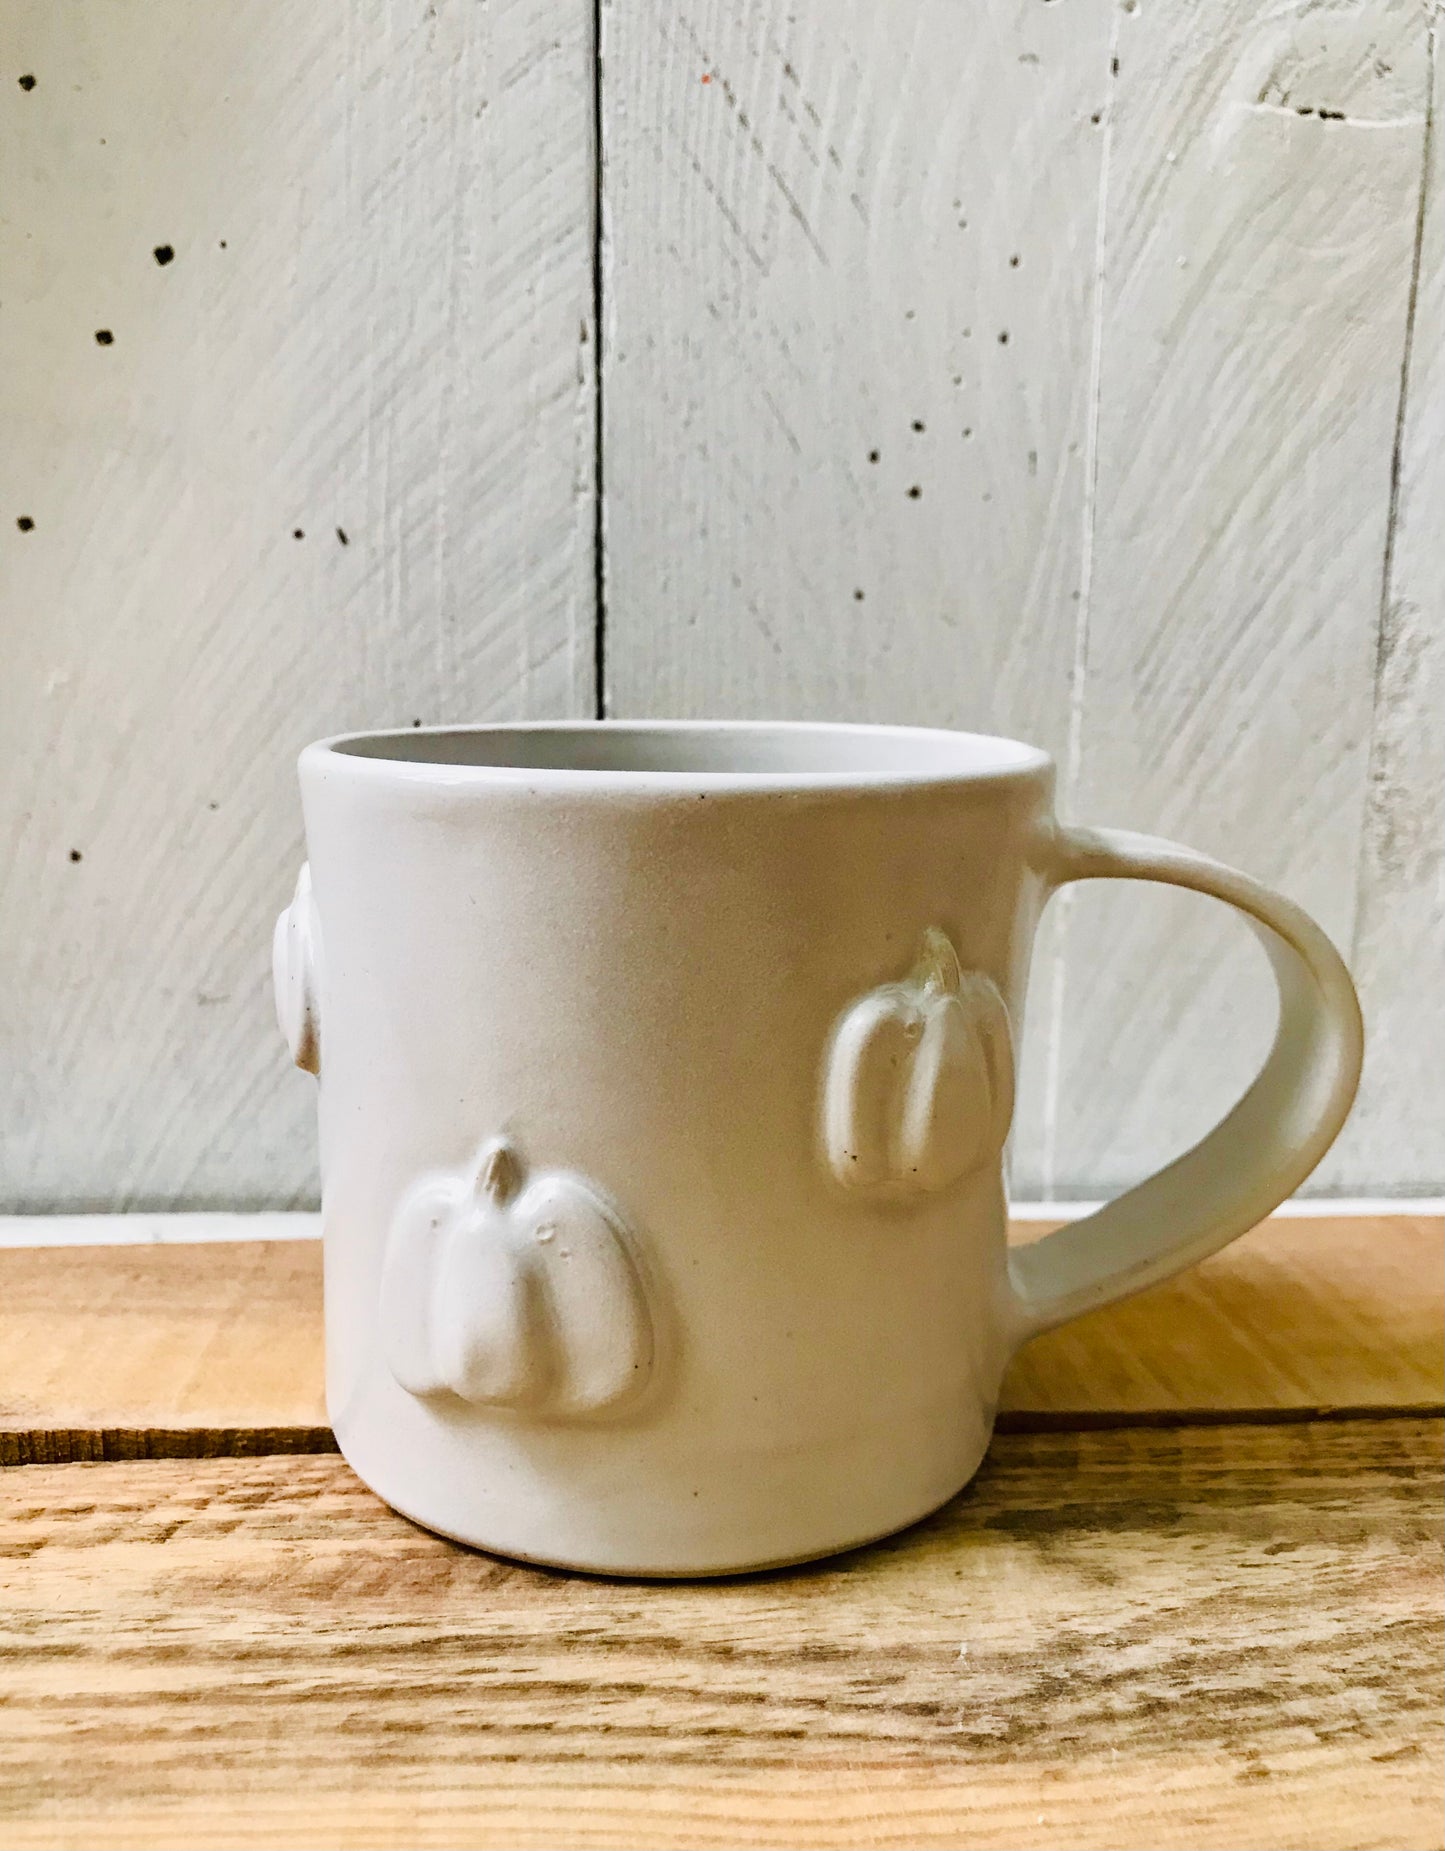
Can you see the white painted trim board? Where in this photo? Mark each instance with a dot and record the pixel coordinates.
(181, 1229)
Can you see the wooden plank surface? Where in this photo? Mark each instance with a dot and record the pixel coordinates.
(372, 329)
(1400, 918)
(1300, 1316)
(375, 315)
(1152, 523)
(115, 1352)
(1263, 182)
(849, 263)
(821, 247)
(1192, 1638)
(123, 1351)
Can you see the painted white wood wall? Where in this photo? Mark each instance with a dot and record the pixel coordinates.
(1071, 368)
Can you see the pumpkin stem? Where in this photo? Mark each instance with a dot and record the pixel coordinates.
(937, 966)
(499, 1171)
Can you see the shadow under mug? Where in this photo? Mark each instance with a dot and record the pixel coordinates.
(665, 1077)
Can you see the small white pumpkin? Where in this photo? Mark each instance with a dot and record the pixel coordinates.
(514, 1293)
(295, 964)
(919, 1082)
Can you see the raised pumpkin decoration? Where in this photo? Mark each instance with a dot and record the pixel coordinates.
(295, 959)
(919, 1082)
(514, 1293)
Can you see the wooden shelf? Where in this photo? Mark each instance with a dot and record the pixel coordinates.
(1152, 1630)
(116, 1352)
(1190, 1637)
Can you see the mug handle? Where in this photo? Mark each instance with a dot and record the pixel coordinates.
(1255, 1156)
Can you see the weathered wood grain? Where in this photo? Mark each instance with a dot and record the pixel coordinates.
(1196, 1638)
(1151, 529)
(1299, 1316)
(1151, 524)
(832, 232)
(1397, 1130)
(372, 331)
(117, 1352)
(1263, 181)
(161, 1351)
(849, 258)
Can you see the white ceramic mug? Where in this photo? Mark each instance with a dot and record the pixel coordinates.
(665, 1074)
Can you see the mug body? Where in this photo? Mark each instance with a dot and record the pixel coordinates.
(665, 1072)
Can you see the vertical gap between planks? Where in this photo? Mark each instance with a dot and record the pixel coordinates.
(599, 509)
(1074, 743)
(1397, 451)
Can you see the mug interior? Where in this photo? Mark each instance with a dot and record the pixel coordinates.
(684, 748)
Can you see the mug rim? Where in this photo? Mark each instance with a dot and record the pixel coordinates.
(565, 755)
